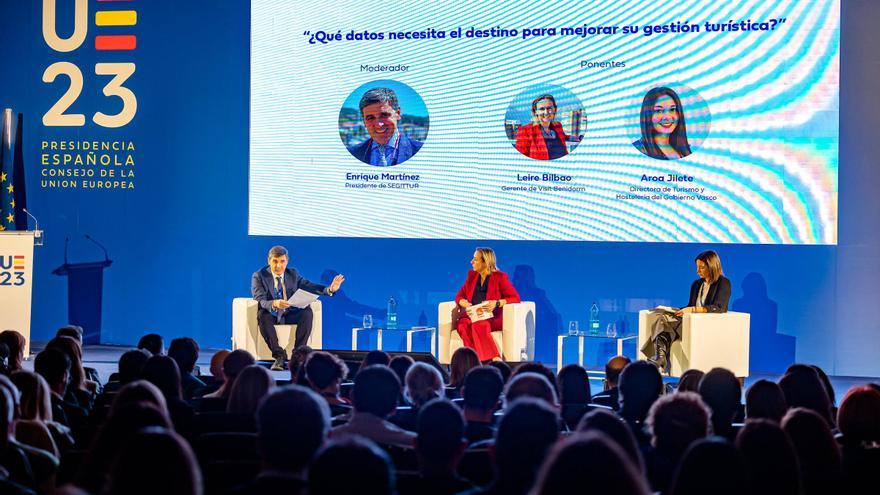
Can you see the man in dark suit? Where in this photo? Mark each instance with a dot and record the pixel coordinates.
(387, 144)
(271, 287)
(609, 396)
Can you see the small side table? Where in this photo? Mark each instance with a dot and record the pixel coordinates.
(432, 332)
(581, 339)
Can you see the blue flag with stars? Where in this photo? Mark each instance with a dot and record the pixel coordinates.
(13, 194)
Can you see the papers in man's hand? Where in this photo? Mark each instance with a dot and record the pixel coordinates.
(479, 312)
(301, 299)
(666, 309)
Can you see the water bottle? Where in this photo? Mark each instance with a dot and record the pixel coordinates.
(594, 319)
(391, 318)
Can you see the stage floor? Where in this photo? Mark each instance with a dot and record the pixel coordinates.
(104, 358)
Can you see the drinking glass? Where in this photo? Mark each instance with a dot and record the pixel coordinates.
(368, 321)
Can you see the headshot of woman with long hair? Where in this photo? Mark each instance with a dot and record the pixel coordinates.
(664, 133)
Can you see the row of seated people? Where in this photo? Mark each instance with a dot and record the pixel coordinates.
(501, 432)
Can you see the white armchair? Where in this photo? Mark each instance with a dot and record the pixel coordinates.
(708, 340)
(517, 334)
(246, 330)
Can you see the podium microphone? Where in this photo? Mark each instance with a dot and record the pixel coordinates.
(106, 256)
(38, 234)
(36, 223)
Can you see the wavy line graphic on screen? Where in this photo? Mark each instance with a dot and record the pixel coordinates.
(545, 122)
(383, 123)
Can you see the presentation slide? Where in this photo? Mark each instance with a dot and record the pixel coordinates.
(635, 121)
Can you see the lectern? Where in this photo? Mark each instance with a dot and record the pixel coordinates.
(85, 291)
(16, 282)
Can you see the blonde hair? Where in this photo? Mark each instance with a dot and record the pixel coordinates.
(423, 383)
(489, 258)
(713, 263)
(249, 387)
(35, 396)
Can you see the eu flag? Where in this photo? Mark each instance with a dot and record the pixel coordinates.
(13, 193)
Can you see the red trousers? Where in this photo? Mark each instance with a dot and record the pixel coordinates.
(478, 336)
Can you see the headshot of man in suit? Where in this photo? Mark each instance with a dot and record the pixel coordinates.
(387, 145)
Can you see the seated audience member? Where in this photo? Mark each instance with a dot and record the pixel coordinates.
(368, 469)
(114, 437)
(857, 420)
(764, 399)
(79, 389)
(675, 422)
(609, 469)
(233, 364)
(526, 433)
(4, 358)
(54, 366)
(400, 365)
(531, 385)
(152, 342)
(481, 392)
(292, 424)
(439, 447)
(721, 391)
(690, 381)
(817, 451)
(131, 363)
(12, 456)
(608, 396)
(574, 393)
(423, 384)
(771, 462)
(38, 446)
(325, 373)
(539, 369)
(829, 389)
(640, 385)
(503, 368)
(167, 458)
(140, 391)
(36, 407)
(33, 434)
(374, 397)
(15, 342)
(375, 357)
(615, 428)
(251, 385)
(295, 366)
(710, 465)
(463, 360)
(76, 332)
(162, 372)
(185, 352)
(803, 387)
(217, 379)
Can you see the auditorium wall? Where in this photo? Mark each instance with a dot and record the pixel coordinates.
(176, 225)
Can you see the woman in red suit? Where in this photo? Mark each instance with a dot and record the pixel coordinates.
(544, 138)
(491, 288)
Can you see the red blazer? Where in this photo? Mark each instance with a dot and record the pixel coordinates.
(530, 142)
(499, 288)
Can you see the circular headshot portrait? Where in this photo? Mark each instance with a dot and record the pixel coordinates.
(383, 123)
(672, 122)
(545, 122)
